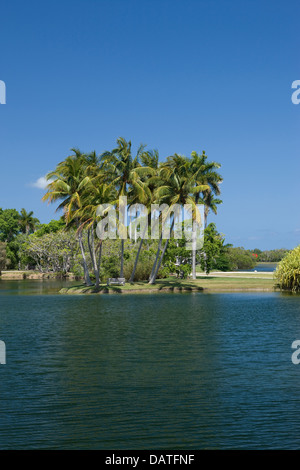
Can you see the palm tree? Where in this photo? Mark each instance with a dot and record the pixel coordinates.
(149, 159)
(178, 187)
(204, 173)
(27, 222)
(98, 193)
(67, 183)
(210, 203)
(124, 173)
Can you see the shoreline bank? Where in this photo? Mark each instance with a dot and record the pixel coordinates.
(207, 284)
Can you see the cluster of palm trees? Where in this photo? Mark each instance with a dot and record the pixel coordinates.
(82, 182)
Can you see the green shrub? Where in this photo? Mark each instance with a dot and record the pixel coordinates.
(287, 273)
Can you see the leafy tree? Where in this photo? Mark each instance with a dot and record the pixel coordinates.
(178, 259)
(55, 252)
(212, 248)
(52, 227)
(239, 258)
(9, 224)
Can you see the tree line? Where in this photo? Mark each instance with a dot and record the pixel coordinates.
(83, 181)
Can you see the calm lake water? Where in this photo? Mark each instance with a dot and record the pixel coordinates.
(181, 371)
(267, 267)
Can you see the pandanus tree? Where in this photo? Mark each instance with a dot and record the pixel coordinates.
(66, 186)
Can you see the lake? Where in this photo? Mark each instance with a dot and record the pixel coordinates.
(266, 267)
(167, 371)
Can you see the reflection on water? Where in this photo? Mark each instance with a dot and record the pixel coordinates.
(171, 371)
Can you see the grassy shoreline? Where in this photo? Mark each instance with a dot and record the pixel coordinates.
(214, 282)
(174, 285)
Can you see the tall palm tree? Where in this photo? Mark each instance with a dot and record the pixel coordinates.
(178, 187)
(66, 184)
(210, 203)
(150, 160)
(203, 173)
(97, 193)
(27, 222)
(124, 172)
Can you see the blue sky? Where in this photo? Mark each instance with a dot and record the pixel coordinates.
(177, 75)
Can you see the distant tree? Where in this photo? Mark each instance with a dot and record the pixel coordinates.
(239, 258)
(27, 222)
(272, 256)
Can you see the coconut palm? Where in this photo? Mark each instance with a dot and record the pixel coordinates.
(124, 173)
(27, 222)
(204, 173)
(210, 203)
(149, 159)
(66, 184)
(178, 187)
(98, 193)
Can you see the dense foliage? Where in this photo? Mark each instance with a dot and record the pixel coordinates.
(3, 257)
(287, 272)
(271, 256)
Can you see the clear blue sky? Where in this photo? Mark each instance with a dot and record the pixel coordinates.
(177, 75)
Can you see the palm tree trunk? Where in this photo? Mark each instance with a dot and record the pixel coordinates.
(99, 264)
(90, 247)
(122, 258)
(87, 278)
(155, 262)
(194, 251)
(206, 209)
(137, 255)
(136, 261)
(153, 279)
(95, 264)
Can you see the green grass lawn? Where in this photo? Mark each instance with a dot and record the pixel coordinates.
(172, 284)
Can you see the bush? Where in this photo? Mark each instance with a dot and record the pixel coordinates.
(287, 272)
(239, 258)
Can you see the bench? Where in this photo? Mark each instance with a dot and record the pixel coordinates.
(119, 281)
